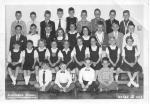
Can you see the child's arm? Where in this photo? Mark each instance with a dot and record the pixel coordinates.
(70, 61)
(49, 79)
(126, 61)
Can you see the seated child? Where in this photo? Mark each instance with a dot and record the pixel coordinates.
(14, 62)
(130, 61)
(45, 77)
(105, 77)
(63, 81)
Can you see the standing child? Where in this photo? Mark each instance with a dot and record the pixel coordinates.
(72, 35)
(130, 61)
(14, 62)
(85, 33)
(55, 57)
(71, 18)
(29, 59)
(33, 35)
(63, 81)
(105, 77)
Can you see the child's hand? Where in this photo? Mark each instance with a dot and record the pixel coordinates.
(94, 64)
(87, 86)
(83, 86)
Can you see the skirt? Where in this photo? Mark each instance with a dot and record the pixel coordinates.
(97, 67)
(71, 66)
(13, 67)
(78, 66)
(28, 67)
(118, 64)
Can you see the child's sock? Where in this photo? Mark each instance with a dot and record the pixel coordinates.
(27, 80)
(116, 78)
(37, 78)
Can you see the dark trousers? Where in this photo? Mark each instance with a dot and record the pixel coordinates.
(70, 88)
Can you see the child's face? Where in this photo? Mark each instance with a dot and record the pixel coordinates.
(72, 27)
(85, 31)
(129, 42)
(112, 41)
(33, 29)
(60, 33)
(33, 17)
(93, 41)
(29, 45)
(131, 28)
(105, 63)
(83, 15)
(71, 13)
(63, 67)
(41, 44)
(97, 14)
(79, 42)
(16, 46)
(18, 16)
(115, 27)
(18, 30)
(100, 27)
(126, 16)
(47, 16)
(60, 14)
(66, 45)
(54, 45)
(112, 15)
(87, 63)
(48, 29)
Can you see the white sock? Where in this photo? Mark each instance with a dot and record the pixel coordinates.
(27, 79)
(116, 78)
(37, 78)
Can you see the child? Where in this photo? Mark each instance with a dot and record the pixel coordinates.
(42, 54)
(14, 62)
(45, 77)
(60, 37)
(113, 54)
(124, 24)
(97, 14)
(29, 56)
(112, 15)
(33, 21)
(60, 22)
(67, 56)
(18, 37)
(63, 81)
(130, 61)
(83, 21)
(85, 33)
(33, 35)
(55, 57)
(20, 22)
(105, 77)
(86, 78)
(118, 35)
(71, 18)
(72, 35)
(94, 52)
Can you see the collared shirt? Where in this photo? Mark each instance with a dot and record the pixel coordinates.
(113, 48)
(86, 37)
(29, 23)
(29, 51)
(100, 37)
(47, 53)
(82, 23)
(63, 77)
(59, 53)
(15, 23)
(48, 76)
(63, 24)
(130, 48)
(115, 34)
(70, 32)
(94, 48)
(87, 74)
(35, 38)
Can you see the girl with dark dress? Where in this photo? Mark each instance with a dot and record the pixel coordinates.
(28, 56)
(130, 61)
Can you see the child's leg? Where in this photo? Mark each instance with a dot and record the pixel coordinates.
(133, 78)
(56, 69)
(26, 76)
(130, 78)
(117, 74)
(11, 75)
(37, 73)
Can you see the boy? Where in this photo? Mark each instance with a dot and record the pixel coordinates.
(83, 21)
(45, 77)
(105, 77)
(118, 35)
(112, 15)
(124, 24)
(97, 18)
(46, 22)
(33, 21)
(60, 22)
(14, 62)
(63, 81)
(86, 78)
(18, 37)
(20, 22)
(71, 18)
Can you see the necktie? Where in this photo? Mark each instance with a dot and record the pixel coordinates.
(43, 77)
(59, 25)
(17, 38)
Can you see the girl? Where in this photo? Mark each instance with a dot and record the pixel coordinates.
(28, 56)
(130, 61)
(54, 57)
(42, 54)
(113, 54)
(94, 52)
(60, 37)
(33, 35)
(72, 35)
(67, 56)
(14, 62)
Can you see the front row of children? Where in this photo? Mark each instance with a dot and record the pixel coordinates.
(96, 72)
